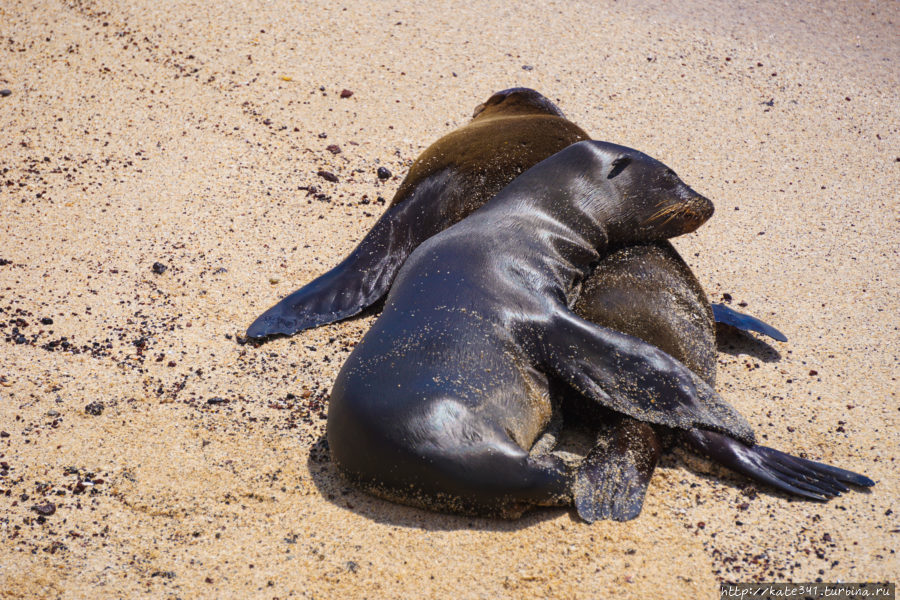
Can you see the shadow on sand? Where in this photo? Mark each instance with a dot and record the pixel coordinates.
(576, 439)
(341, 493)
(733, 341)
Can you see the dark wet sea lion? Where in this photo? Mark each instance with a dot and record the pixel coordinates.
(513, 130)
(440, 402)
(648, 291)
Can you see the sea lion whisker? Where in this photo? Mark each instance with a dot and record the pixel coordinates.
(667, 210)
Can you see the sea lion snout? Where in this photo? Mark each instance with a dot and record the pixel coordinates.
(696, 211)
(680, 213)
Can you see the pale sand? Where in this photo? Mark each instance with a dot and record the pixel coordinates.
(142, 131)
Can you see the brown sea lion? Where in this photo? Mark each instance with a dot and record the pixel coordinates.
(649, 292)
(514, 130)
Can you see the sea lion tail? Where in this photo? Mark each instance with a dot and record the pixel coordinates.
(612, 480)
(787, 473)
(727, 316)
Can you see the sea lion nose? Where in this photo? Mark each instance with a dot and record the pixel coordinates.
(698, 209)
(703, 207)
(694, 210)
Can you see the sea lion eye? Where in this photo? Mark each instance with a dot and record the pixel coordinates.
(618, 166)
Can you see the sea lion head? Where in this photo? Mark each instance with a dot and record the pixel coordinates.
(516, 101)
(647, 200)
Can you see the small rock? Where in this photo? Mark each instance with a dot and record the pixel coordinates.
(5, 93)
(334, 149)
(159, 268)
(94, 408)
(166, 574)
(46, 321)
(346, 93)
(45, 510)
(527, 68)
(328, 176)
(217, 400)
(383, 173)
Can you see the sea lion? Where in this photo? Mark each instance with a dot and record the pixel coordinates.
(440, 402)
(512, 131)
(648, 291)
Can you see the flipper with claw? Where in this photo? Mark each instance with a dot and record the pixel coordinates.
(366, 275)
(727, 316)
(787, 473)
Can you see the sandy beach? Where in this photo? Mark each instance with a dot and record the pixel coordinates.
(155, 169)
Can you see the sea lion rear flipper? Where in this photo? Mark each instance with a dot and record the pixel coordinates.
(366, 275)
(727, 316)
(633, 377)
(612, 480)
(788, 473)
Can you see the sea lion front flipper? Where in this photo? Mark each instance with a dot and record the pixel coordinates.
(365, 276)
(728, 316)
(632, 377)
(612, 480)
(788, 473)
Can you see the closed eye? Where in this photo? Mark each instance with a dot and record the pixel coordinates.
(618, 166)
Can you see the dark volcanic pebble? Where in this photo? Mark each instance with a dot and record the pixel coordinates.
(159, 268)
(5, 93)
(216, 400)
(46, 509)
(94, 408)
(334, 149)
(383, 173)
(46, 321)
(328, 176)
(346, 93)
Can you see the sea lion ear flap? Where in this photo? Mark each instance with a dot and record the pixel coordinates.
(618, 166)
